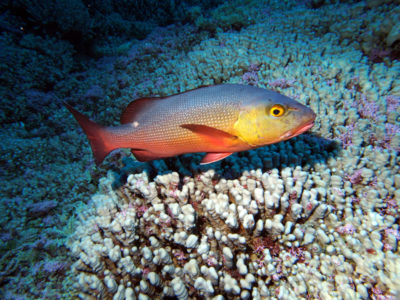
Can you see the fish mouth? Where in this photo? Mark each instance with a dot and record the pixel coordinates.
(303, 128)
(299, 130)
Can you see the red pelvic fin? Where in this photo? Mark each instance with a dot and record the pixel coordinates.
(143, 155)
(99, 137)
(213, 157)
(212, 135)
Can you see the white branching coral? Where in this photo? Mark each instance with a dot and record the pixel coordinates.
(285, 233)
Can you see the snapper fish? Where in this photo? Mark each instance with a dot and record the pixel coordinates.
(219, 120)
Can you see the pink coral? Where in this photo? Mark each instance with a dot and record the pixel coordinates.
(282, 83)
(250, 78)
(393, 102)
(347, 136)
(391, 131)
(346, 229)
(356, 177)
(366, 108)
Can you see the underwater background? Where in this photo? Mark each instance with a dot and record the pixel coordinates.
(315, 217)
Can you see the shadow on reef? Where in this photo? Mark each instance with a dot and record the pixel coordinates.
(305, 151)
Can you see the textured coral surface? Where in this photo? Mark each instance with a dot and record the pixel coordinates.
(313, 217)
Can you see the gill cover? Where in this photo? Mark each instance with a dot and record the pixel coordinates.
(260, 125)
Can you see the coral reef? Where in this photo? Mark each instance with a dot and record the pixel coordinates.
(293, 232)
(87, 23)
(314, 216)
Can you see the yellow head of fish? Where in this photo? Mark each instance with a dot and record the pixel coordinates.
(270, 118)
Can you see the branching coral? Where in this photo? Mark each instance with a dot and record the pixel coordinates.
(287, 233)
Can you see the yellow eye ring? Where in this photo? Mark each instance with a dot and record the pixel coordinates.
(277, 110)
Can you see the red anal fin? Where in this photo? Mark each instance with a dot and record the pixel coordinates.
(99, 137)
(135, 107)
(213, 157)
(212, 135)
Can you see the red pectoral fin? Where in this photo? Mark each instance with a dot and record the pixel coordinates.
(213, 157)
(212, 135)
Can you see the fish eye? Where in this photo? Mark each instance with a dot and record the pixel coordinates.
(277, 110)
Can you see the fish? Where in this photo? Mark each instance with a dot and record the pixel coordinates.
(218, 120)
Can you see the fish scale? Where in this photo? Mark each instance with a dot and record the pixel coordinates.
(219, 112)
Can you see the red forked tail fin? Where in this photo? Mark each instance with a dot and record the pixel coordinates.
(99, 137)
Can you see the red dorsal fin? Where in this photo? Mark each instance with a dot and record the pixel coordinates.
(136, 107)
(213, 157)
(101, 140)
(212, 135)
